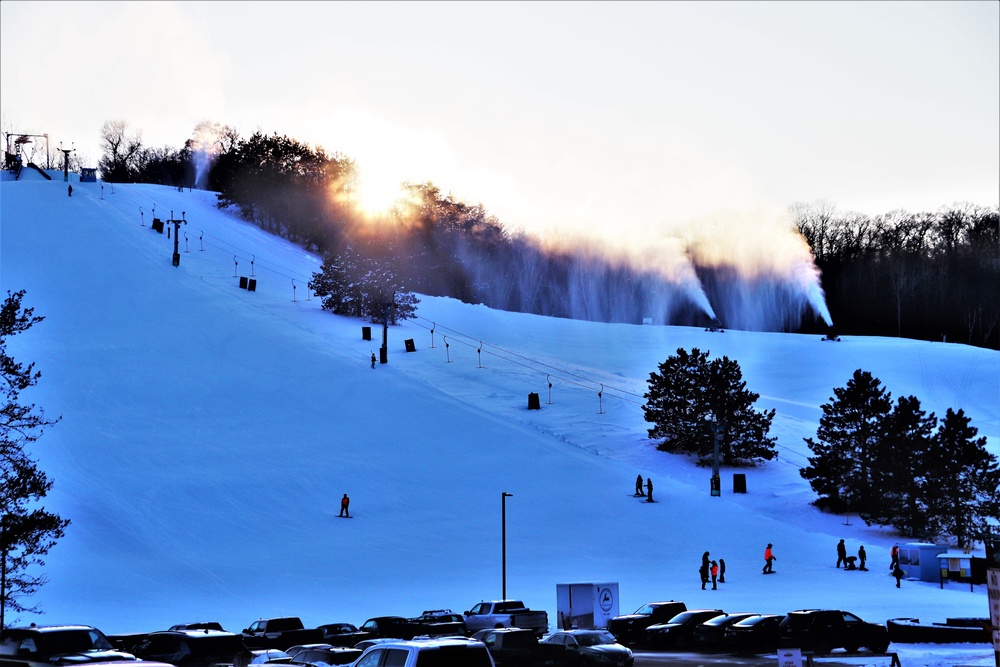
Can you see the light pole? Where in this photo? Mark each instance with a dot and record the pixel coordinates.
(503, 541)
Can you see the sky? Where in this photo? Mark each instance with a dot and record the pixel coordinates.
(207, 434)
(621, 120)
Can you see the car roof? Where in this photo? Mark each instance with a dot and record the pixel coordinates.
(195, 633)
(428, 643)
(51, 628)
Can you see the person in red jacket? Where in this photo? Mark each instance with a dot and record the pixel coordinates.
(769, 557)
(345, 502)
(715, 574)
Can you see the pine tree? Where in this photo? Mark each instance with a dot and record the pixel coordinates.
(689, 394)
(27, 532)
(962, 486)
(899, 470)
(840, 471)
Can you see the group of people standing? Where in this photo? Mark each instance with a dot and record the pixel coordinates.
(713, 569)
(649, 488)
(851, 562)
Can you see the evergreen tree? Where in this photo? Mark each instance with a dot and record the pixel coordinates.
(962, 486)
(690, 394)
(335, 284)
(899, 471)
(840, 471)
(27, 532)
(363, 286)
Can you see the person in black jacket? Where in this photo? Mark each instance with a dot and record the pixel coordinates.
(862, 557)
(703, 570)
(841, 553)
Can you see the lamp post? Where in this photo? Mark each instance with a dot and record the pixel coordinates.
(503, 542)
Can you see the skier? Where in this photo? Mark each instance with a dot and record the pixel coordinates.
(841, 553)
(344, 504)
(373, 360)
(649, 490)
(769, 559)
(70, 191)
(715, 574)
(862, 557)
(638, 486)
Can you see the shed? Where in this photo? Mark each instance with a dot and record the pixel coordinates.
(957, 565)
(586, 605)
(919, 560)
(88, 174)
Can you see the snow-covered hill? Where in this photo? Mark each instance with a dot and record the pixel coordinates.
(209, 432)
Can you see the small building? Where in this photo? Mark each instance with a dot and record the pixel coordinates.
(918, 560)
(586, 605)
(88, 174)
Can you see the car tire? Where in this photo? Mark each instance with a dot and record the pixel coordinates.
(881, 647)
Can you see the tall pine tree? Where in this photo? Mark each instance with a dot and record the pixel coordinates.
(962, 485)
(27, 531)
(846, 445)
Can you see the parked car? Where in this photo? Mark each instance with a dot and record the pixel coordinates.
(506, 614)
(520, 647)
(755, 634)
(631, 628)
(426, 653)
(330, 655)
(590, 648)
(388, 627)
(676, 633)
(822, 630)
(190, 648)
(440, 623)
(48, 645)
(201, 625)
(341, 634)
(711, 633)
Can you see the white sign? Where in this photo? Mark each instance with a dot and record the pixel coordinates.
(790, 657)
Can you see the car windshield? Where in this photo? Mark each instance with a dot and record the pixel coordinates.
(753, 620)
(71, 641)
(595, 638)
(645, 610)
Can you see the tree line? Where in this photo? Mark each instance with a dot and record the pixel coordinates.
(930, 276)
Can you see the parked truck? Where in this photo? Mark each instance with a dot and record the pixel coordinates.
(506, 614)
(519, 647)
(279, 633)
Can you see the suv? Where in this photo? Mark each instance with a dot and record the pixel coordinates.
(190, 648)
(426, 653)
(822, 630)
(48, 645)
(677, 632)
(629, 629)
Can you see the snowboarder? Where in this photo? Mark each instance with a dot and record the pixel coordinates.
(841, 553)
(899, 574)
(373, 360)
(638, 486)
(715, 574)
(862, 557)
(849, 563)
(344, 504)
(769, 559)
(722, 570)
(70, 191)
(649, 490)
(703, 570)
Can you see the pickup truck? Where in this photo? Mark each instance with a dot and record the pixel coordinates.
(506, 614)
(519, 647)
(426, 653)
(279, 633)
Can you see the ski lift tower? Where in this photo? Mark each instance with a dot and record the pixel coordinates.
(66, 152)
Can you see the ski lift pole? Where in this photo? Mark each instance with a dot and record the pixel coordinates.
(433, 326)
(236, 266)
(549, 382)
(447, 350)
(142, 222)
(293, 289)
(480, 353)
(600, 400)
